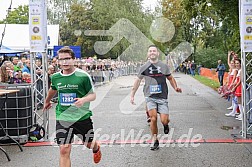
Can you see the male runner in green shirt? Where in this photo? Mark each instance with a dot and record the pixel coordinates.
(75, 92)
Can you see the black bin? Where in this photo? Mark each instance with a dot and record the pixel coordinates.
(16, 116)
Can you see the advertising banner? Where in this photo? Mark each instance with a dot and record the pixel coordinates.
(246, 25)
(37, 25)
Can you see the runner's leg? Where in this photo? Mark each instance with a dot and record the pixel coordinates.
(153, 123)
(65, 151)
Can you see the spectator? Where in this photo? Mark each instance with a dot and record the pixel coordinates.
(199, 67)
(51, 71)
(1, 60)
(193, 67)
(15, 62)
(23, 60)
(6, 71)
(20, 66)
(188, 64)
(27, 67)
(20, 75)
(221, 71)
(15, 79)
(26, 77)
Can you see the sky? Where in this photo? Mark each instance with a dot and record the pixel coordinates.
(4, 5)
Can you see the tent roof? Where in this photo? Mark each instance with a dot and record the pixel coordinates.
(17, 36)
(6, 50)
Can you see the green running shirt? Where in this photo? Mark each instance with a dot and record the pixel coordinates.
(69, 86)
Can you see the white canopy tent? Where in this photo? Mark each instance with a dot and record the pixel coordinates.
(17, 36)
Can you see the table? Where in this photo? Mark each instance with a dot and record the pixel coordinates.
(6, 92)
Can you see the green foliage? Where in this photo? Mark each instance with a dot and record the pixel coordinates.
(102, 15)
(209, 57)
(172, 10)
(18, 16)
(211, 26)
(57, 10)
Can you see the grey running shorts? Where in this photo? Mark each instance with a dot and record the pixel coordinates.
(161, 105)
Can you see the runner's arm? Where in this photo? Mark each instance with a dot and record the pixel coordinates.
(50, 95)
(173, 83)
(88, 98)
(135, 86)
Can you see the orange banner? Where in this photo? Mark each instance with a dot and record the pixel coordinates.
(212, 74)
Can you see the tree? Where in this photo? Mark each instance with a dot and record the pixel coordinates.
(218, 22)
(171, 10)
(102, 15)
(72, 31)
(18, 16)
(57, 10)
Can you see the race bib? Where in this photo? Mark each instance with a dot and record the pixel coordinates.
(67, 99)
(154, 89)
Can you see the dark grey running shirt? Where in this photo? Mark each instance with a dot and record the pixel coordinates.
(155, 79)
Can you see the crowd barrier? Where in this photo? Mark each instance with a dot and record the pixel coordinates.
(212, 74)
(101, 77)
(249, 106)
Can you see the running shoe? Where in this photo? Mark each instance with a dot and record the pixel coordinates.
(155, 145)
(166, 129)
(97, 155)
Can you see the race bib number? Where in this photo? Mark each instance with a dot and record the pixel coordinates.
(154, 89)
(67, 99)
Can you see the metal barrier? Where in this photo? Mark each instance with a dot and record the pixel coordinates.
(102, 77)
(249, 109)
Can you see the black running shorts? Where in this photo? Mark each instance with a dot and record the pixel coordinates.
(65, 131)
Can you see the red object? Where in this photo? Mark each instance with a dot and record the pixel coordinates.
(230, 80)
(238, 110)
(238, 90)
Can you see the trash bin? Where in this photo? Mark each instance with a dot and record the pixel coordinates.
(16, 116)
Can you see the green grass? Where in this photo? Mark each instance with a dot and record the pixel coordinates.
(208, 82)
